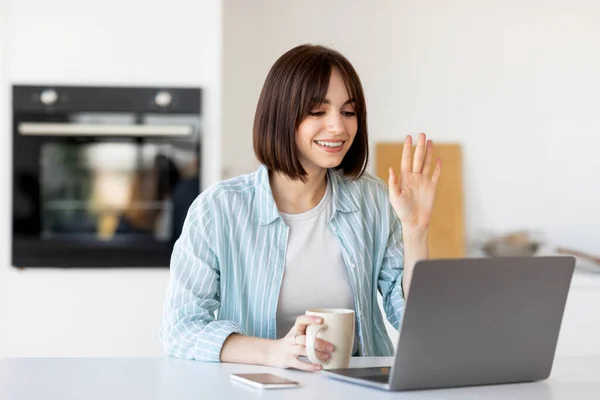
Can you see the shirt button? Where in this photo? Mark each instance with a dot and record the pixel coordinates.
(352, 265)
(333, 229)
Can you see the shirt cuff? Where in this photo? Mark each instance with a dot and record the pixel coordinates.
(212, 339)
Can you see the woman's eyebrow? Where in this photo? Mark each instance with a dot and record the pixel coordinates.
(349, 101)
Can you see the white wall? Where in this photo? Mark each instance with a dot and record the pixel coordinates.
(99, 312)
(514, 81)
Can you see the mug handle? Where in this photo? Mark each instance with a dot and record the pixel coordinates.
(311, 336)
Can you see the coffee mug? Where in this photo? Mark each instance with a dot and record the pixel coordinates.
(338, 329)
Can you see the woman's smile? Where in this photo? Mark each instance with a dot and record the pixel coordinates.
(331, 145)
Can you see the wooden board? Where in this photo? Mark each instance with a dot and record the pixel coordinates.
(446, 232)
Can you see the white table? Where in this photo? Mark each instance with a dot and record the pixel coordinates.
(580, 328)
(573, 377)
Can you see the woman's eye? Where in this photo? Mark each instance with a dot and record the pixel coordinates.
(316, 113)
(348, 113)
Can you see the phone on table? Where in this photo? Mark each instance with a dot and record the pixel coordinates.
(264, 381)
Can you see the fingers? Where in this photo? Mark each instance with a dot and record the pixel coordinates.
(393, 181)
(300, 339)
(437, 171)
(303, 320)
(428, 157)
(321, 346)
(324, 346)
(417, 164)
(301, 365)
(300, 350)
(406, 162)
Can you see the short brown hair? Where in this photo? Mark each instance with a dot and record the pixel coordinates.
(297, 82)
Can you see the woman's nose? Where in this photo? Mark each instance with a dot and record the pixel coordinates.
(334, 123)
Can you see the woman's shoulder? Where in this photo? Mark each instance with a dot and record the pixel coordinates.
(220, 194)
(367, 183)
(238, 184)
(371, 181)
(367, 192)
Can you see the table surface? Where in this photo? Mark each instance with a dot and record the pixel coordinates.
(573, 377)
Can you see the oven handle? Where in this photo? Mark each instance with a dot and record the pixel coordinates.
(65, 129)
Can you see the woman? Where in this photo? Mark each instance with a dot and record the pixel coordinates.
(309, 229)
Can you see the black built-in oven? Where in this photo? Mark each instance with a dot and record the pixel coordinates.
(102, 176)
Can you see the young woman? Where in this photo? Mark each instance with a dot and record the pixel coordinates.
(309, 229)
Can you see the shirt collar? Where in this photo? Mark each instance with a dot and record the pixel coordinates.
(266, 208)
(343, 200)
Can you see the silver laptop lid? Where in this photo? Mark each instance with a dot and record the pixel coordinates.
(481, 321)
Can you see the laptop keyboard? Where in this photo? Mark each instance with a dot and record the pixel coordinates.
(377, 378)
(377, 374)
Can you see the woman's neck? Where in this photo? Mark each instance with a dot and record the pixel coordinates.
(295, 196)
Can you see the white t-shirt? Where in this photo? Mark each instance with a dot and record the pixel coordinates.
(315, 275)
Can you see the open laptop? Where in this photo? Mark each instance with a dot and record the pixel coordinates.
(475, 322)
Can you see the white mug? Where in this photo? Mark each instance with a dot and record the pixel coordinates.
(338, 329)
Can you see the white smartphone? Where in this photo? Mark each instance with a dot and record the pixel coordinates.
(264, 381)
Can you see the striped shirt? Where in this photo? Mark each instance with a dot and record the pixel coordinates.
(227, 266)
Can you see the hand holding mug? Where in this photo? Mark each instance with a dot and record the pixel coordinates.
(337, 328)
(286, 351)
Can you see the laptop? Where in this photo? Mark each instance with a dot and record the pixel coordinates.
(477, 321)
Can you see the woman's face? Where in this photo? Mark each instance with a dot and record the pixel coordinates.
(325, 135)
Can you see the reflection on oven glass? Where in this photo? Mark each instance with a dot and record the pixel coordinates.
(112, 191)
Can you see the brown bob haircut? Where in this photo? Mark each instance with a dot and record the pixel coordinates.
(298, 82)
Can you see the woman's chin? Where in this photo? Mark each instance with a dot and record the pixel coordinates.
(329, 164)
(323, 162)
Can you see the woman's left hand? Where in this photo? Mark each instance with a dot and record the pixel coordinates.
(412, 193)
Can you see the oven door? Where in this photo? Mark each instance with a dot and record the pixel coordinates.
(97, 190)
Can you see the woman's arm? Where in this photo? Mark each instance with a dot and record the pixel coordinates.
(282, 353)
(403, 249)
(189, 329)
(246, 350)
(416, 248)
(412, 194)
(391, 273)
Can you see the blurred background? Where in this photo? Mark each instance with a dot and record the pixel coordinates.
(508, 89)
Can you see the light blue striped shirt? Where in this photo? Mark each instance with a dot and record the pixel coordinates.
(227, 266)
